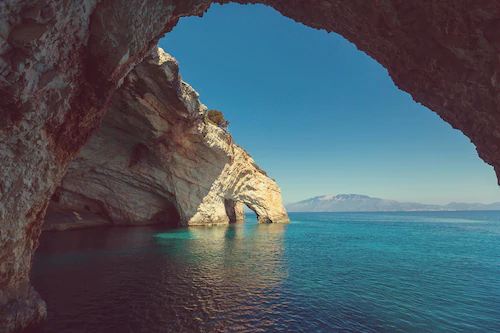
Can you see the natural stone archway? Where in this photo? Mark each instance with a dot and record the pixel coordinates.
(155, 147)
(235, 210)
(61, 62)
(241, 180)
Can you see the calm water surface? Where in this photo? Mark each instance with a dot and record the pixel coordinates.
(324, 272)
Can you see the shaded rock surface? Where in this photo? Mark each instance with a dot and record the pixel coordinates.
(61, 62)
(155, 159)
(60, 217)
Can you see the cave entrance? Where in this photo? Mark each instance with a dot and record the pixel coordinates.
(252, 218)
(238, 211)
(169, 216)
(234, 210)
(335, 112)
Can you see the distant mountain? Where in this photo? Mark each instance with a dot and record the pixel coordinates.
(472, 206)
(364, 203)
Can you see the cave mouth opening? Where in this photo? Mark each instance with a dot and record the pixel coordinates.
(357, 102)
(234, 210)
(169, 216)
(248, 210)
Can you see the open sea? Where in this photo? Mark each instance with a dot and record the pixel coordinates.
(323, 272)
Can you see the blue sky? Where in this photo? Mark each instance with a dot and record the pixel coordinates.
(320, 116)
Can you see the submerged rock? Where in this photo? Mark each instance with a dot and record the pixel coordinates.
(155, 159)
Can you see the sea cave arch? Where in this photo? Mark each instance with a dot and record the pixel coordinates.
(235, 210)
(61, 63)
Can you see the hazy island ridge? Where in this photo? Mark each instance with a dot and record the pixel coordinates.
(364, 203)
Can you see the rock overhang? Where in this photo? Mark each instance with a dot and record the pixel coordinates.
(61, 64)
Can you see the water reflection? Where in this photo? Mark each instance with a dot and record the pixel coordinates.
(202, 279)
(235, 273)
(321, 273)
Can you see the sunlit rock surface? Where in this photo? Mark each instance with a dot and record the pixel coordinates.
(61, 62)
(155, 159)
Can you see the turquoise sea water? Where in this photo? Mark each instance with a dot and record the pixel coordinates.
(323, 272)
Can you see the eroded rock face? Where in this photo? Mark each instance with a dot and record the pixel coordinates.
(60, 63)
(155, 159)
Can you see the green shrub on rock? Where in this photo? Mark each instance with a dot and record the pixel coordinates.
(216, 117)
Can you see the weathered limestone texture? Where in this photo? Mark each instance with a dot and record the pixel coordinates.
(61, 61)
(155, 159)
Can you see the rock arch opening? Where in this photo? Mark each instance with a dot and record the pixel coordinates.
(385, 132)
(261, 218)
(168, 216)
(234, 210)
(237, 210)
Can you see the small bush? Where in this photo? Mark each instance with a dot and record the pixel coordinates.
(216, 117)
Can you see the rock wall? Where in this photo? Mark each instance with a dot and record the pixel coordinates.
(155, 159)
(60, 63)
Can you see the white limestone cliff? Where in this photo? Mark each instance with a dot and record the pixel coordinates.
(155, 159)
